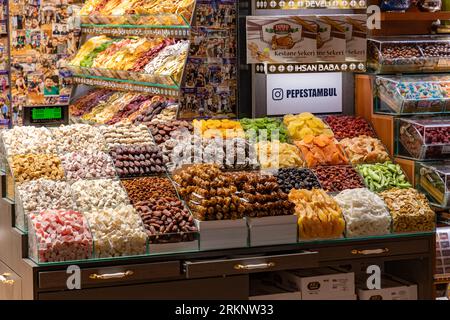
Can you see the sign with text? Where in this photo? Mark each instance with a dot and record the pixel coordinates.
(296, 93)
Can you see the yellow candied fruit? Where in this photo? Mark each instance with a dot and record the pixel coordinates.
(305, 124)
(319, 215)
(224, 128)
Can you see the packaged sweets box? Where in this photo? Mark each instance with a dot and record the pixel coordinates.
(306, 39)
(391, 288)
(318, 284)
(278, 39)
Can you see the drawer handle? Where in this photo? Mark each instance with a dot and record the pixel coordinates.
(118, 275)
(4, 279)
(254, 266)
(372, 251)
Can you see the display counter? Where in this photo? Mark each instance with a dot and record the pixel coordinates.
(205, 274)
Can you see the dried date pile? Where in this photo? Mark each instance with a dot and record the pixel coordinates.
(166, 220)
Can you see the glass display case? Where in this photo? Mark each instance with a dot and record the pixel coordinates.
(408, 54)
(433, 179)
(423, 139)
(412, 94)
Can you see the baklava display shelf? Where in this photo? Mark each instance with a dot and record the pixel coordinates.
(137, 60)
(413, 94)
(408, 54)
(433, 179)
(423, 139)
(167, 20)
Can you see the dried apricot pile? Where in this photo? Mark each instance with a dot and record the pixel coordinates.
(321, 150)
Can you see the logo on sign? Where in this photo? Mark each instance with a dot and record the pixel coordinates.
(277, 94)
(283, 28)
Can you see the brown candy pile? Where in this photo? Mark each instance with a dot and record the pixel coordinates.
(137, 160)
(338, 178)
(142, 189)
(166, 220)
(164, 131)
(210, 194)
(214, 195)
(261, 195)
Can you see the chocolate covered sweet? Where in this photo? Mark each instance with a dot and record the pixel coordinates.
(137, 160)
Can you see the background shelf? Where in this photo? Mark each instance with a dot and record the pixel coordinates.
(128, 85)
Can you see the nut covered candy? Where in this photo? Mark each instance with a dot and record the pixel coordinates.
(28, 167)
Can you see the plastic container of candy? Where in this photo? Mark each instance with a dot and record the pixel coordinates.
(433, 179)
(412, 94)
(408, 54)
(423, 139)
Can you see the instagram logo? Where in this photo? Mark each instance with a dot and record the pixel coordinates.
(277, 94)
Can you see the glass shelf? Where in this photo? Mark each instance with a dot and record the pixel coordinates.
(128, 85)
(158, 80)
(300, 244)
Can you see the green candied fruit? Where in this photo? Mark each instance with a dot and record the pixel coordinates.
(383, 176)
(263, 128)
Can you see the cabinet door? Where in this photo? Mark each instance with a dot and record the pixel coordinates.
(10, 284)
